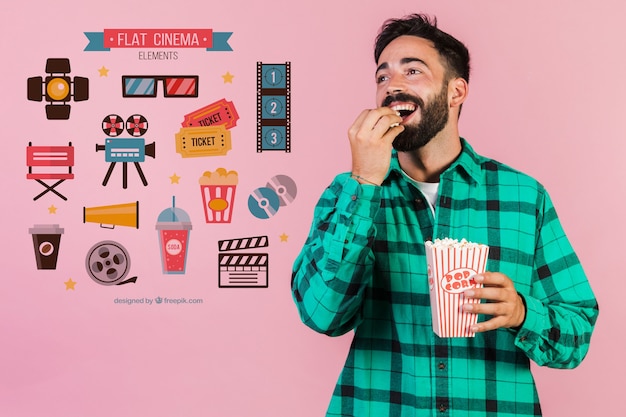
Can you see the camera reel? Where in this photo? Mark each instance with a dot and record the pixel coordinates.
(108, 263)
(136, 125)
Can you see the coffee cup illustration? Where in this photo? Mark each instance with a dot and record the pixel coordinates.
(46, 242)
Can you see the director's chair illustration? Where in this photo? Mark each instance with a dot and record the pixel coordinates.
(50, 163)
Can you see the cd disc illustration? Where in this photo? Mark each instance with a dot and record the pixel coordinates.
(136, 125)
(112, 125)
(263, 203)
(284, 187)
(108, 263)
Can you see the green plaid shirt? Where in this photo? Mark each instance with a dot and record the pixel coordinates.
(363, 267)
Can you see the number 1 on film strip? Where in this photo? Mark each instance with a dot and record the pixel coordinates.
(273, 107)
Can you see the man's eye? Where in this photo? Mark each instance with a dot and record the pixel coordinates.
(413, 71)
(381, 79)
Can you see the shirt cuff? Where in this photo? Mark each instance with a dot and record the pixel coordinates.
(527, 333)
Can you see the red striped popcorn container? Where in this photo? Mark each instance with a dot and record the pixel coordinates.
(218, 195)
(452, 265)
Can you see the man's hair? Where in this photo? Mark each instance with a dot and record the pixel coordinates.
(454, 54)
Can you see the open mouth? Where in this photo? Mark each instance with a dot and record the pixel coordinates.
(405, 109)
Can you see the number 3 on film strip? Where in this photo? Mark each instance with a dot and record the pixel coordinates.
(273, 107)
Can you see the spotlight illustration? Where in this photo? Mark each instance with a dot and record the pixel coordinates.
(58, 88)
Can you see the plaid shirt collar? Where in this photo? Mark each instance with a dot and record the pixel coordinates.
(468, 162)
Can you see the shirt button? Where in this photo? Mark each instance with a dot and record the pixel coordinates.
(443, 408)
(441, 365)
(523, 339)
(353, 198)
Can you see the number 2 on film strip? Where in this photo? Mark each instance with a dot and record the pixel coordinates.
(273, 107)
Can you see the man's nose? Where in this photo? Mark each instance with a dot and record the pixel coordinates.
(396, 84)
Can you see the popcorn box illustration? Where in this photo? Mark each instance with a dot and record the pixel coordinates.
(173, 226)
(452, 265)
(218, 194)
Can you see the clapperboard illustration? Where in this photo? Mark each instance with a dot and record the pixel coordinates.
(273, 107)
(241, 269)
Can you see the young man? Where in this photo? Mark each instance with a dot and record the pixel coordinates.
(363, 266)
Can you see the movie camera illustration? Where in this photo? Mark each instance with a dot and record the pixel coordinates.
(125, 150)
(58, 88)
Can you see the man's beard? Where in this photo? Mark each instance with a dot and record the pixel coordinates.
(434, 119)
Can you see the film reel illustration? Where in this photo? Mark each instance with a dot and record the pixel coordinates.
(136, 125)
(108, 263)
(112, 125)
(274, 107)
(264, 202)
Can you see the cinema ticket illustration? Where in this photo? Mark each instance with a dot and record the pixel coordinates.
(203, 141)
(205, 132)
(240, 269)
(220, 113)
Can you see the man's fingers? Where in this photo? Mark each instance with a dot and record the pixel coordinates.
(379, 119)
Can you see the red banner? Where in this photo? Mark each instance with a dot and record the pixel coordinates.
(158, 38)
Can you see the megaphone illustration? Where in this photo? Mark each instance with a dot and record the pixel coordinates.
(108, 217)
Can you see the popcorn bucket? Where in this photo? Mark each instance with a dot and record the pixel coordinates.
(452, 266)
(218, 194)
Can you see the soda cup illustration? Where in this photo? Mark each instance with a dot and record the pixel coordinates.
(46, 242)
(173, 227)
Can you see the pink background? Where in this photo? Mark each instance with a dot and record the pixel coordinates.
(546, 97)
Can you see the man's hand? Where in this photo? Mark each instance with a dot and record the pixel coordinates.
(504, 304)
(371, 137)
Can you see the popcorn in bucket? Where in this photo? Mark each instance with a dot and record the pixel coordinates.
(452, 265)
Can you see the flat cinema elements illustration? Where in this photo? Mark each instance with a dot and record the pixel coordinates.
(58, 88)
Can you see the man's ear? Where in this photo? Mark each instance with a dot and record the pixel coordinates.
(457, 91)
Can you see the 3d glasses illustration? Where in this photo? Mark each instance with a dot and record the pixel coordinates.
(173, 85)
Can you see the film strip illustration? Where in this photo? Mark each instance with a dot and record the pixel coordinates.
(243, 269)
(273, 107)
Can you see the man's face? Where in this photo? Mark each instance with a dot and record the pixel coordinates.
(411, 80)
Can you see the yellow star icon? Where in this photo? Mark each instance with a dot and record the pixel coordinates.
(228, 77)
(104, 72)
(69, 285)
(52, 209)
(284, 237)
(174, 179)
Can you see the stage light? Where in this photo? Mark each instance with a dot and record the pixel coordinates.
(58, 88)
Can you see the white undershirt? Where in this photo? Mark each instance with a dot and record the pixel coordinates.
(429, 189)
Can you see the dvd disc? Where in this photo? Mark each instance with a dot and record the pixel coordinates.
(284, 187)
(263, 203)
